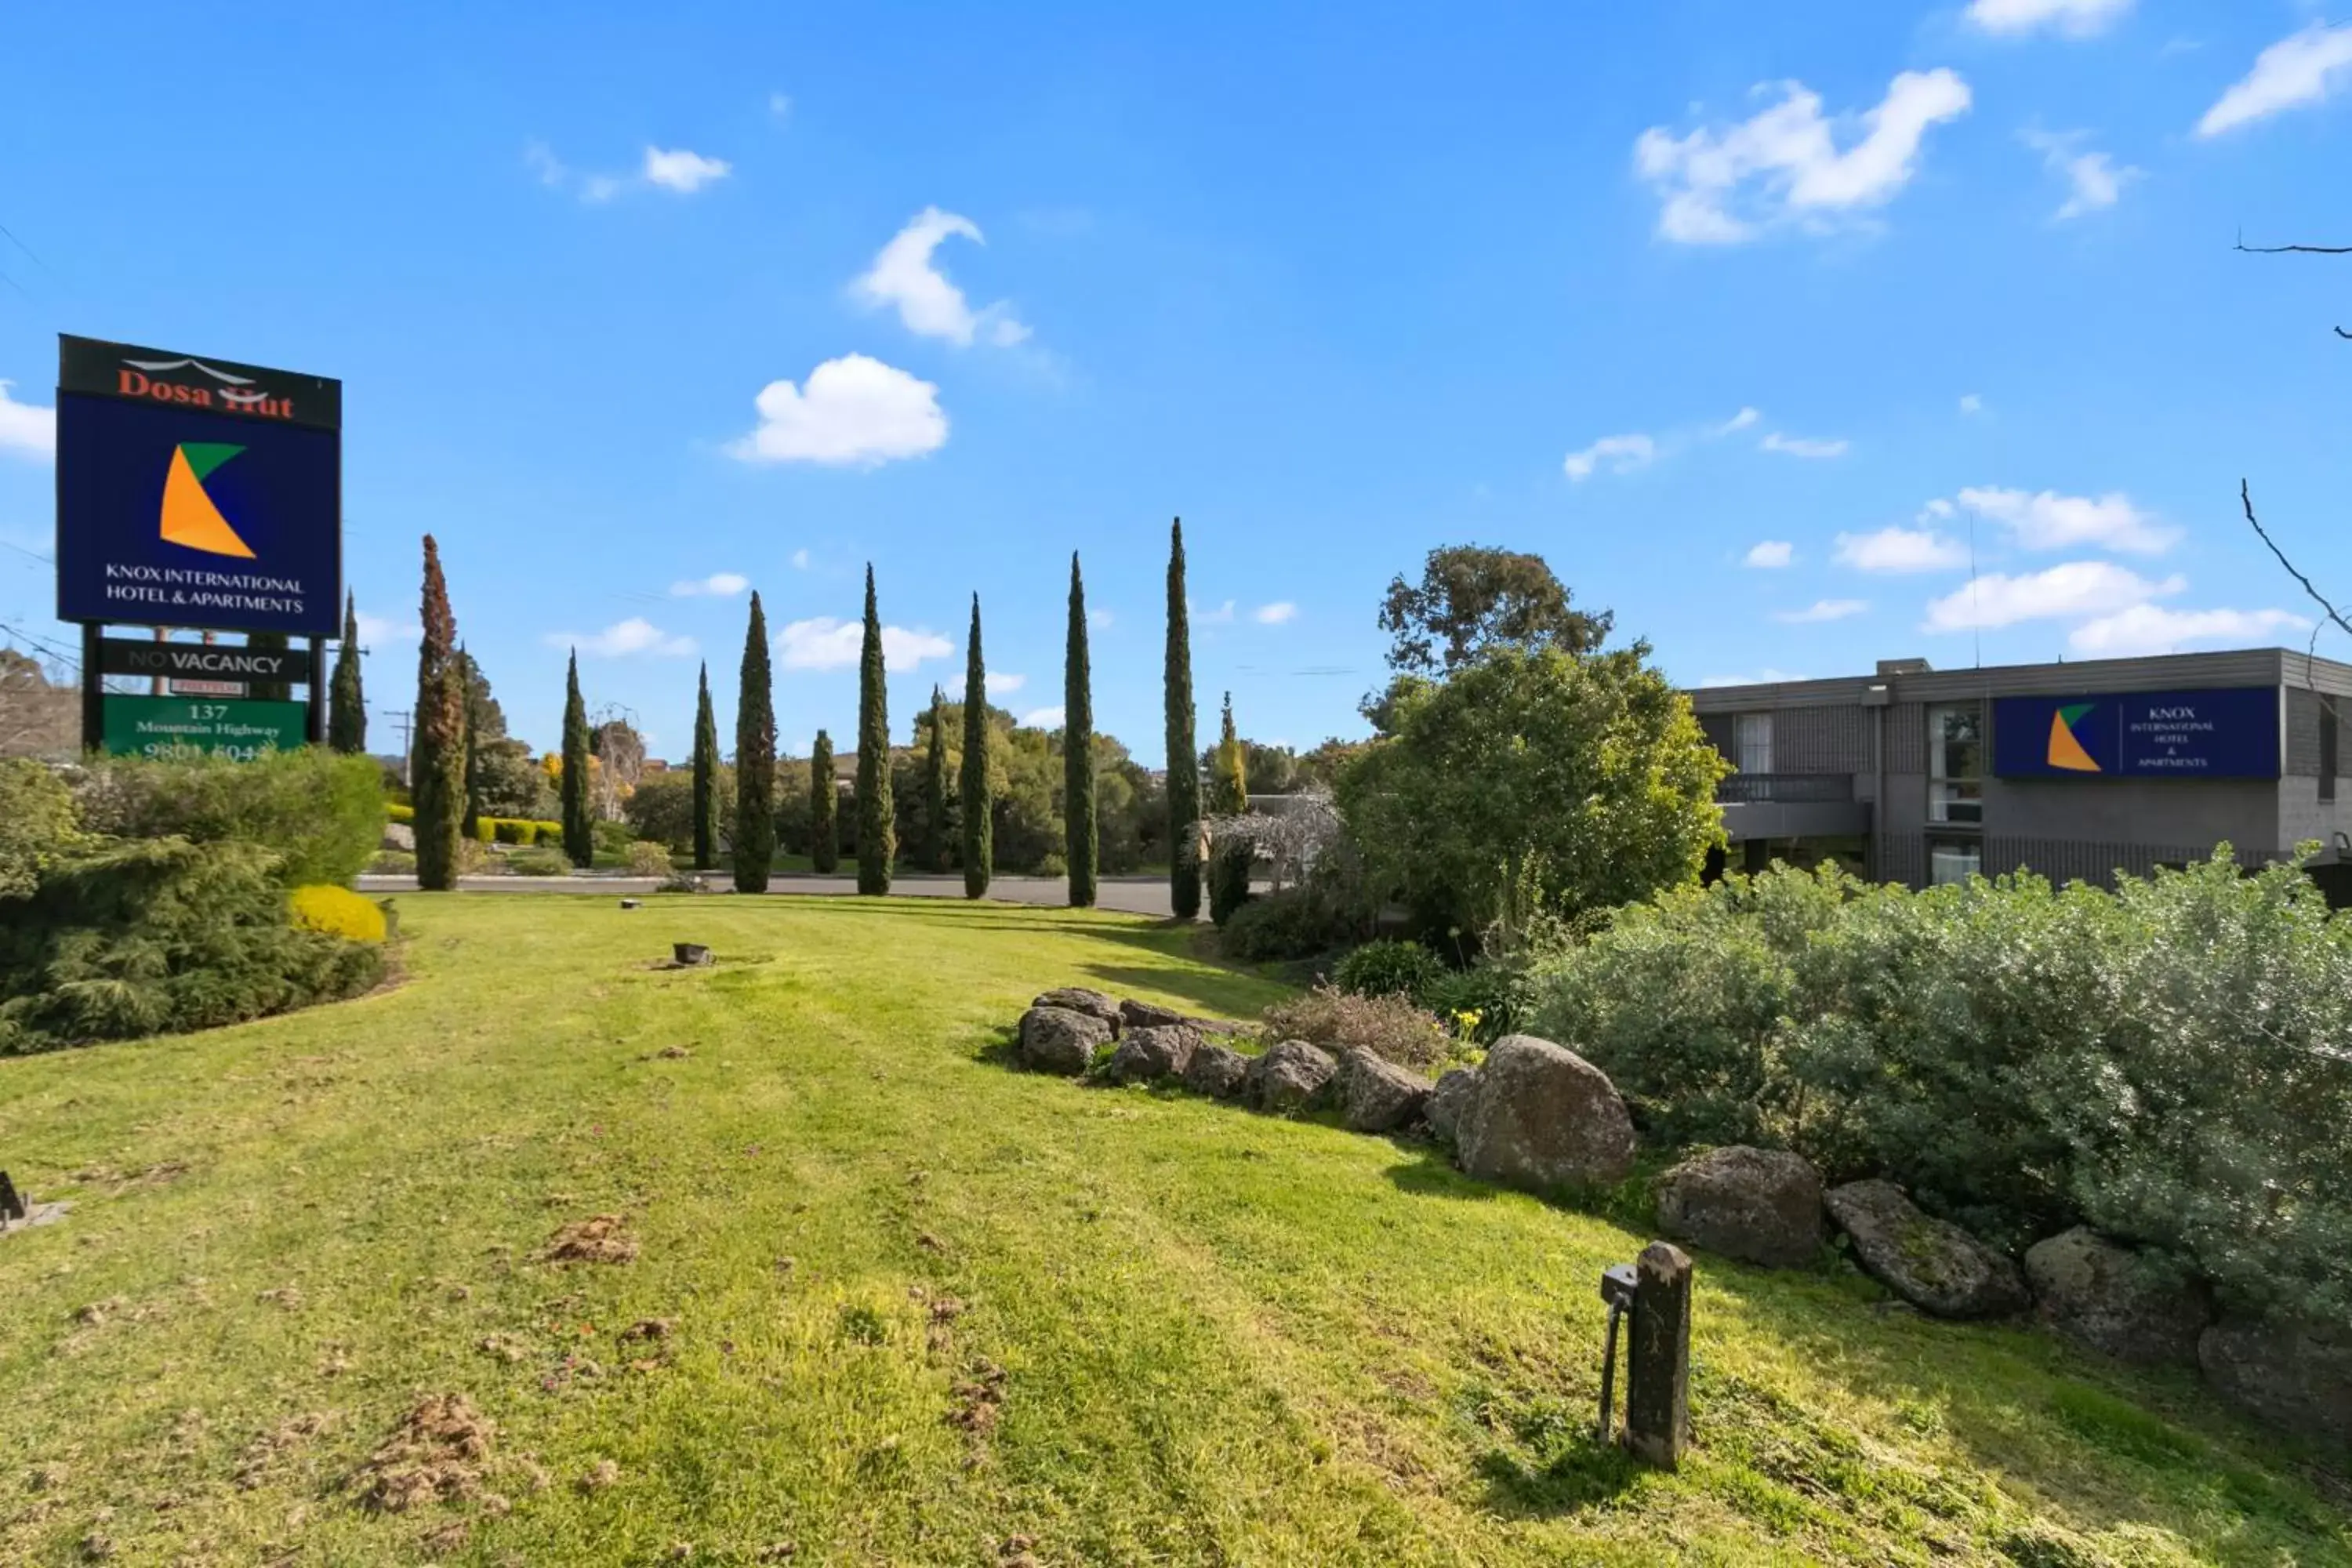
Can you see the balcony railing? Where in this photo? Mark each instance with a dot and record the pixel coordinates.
(1785, 789)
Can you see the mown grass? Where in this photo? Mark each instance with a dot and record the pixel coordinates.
(923, 1305)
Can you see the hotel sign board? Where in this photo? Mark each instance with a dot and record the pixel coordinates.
(2231, 732)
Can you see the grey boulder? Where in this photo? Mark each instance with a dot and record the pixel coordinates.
(1936, 1265)
(2101, 1295)
(1079, 999)
(1218, 1071)
(1149, 1016)
(1761, 1206)
(399, 835)
(1056, 1039)
(2296, 1375)
(1375, 1094)
(1450, 1102)
(1544, 1118)
(1292, 1075)
(1146, 1054)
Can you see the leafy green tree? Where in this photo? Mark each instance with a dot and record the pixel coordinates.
(1228, 770)
(1184, 759)
(438, 772)
(1471, 598)
(579, 824)
(269, 691)
(346, 712)
(509, 781)
(877, 833)
(979, 790)
(1078, 822)
(824, 808)
(938, 834)
(755, 760)
(1535, 783)
(706, 778)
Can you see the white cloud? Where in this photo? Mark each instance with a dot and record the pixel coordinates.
(1770, 554)
(1099, 619)
(541, 161)
(827, 643)
(2048, 521)
(2075, 18)
(718, 585)
(26, 429)
(636, 635)
(780, 105)
(799, 560)
(928, 303)
(1725, 186)
(1623, 454)
(1221, 615)
(2075, 588)
(1766, 677)
(1801, 447)
(379, 629)
(856, 411)
(2092, 179)
(1739, 421)
(1899, 549)
(2152, 628)
(2302, 67)
(1971, 403)
(1822, 610)
(1002, 683)
(1043, 718)
(683, 172)
(1274, 614)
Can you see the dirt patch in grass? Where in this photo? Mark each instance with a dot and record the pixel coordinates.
(599, 1238)
(264, 1452)
(439, 1452)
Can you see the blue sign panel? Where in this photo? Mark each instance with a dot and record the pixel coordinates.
(170, 514)
(2229, 734)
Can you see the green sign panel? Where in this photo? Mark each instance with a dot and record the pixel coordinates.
(154, 726)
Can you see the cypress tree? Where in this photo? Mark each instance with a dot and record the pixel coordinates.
(877, 826)
(579, 830)
(1183, 743)
(1228, 777)
(979, 802)
(1079, 751)
(936, 838)
(824, 807)
(269, 691)
(755, 761)
(706, 779)
(347, 716)
(437, 778)
(470, 826)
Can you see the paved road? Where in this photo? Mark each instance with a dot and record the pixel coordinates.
(1137, 895)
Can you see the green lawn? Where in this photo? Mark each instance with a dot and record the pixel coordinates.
(922, 1304)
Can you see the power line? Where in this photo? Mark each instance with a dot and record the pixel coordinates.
(47, 647)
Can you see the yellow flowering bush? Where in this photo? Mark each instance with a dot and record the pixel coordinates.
(336, 911)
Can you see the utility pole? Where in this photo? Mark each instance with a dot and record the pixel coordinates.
(402, 719)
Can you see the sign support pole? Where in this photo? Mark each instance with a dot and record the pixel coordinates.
(93, 689)
(317, 691)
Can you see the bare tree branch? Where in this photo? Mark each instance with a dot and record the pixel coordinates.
(2283, 249)
(2246, 500)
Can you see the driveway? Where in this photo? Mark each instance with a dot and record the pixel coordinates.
(1129, 895)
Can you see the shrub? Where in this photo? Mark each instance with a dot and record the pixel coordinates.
(1052, 863)
(1289, 924)
(394, 863)
(1389, 1026)
(540, 861)
(336, 911)
(1229, 880)
(486, 830)
(158, 936)
(648, 859)
(1389, 969)
(1481, 1003)
(321, 812)
(36, 824)
(399, 811)
(508, 830)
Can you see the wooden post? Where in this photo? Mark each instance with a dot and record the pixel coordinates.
(1657, 1381)
(93, 689)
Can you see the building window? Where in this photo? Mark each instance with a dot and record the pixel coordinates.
(1752, 740)
(1953, 860)
(1956, 763)
(2327, 748)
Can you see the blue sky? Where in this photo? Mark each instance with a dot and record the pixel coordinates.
(1754, 328)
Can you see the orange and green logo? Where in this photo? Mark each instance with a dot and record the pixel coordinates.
(190, 516)
(2066, 746)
